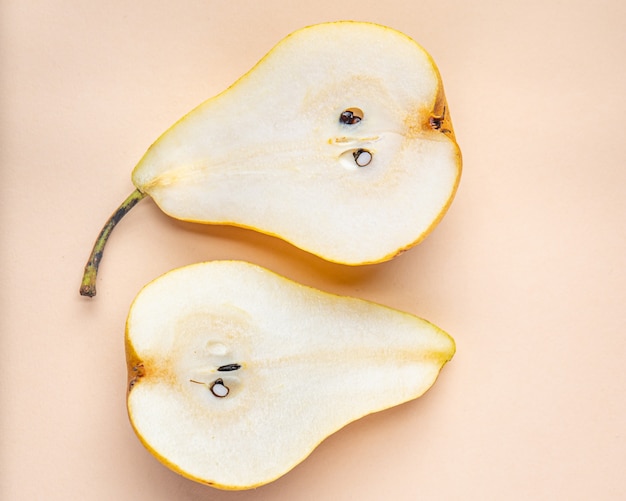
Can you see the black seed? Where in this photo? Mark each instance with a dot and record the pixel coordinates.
(229, 367)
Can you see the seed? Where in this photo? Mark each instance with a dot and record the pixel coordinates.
(362, 157)
(229, 367)
(351, 116)
(219, 389)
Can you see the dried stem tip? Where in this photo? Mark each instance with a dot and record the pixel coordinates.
(88, 285)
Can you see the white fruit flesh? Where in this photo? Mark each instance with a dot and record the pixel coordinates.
(237, 373)
(271, 153)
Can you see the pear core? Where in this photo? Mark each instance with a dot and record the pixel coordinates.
(339, 141)
(236, 374)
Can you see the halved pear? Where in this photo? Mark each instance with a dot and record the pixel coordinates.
(236, 374)
(334, 142)
(339, 141)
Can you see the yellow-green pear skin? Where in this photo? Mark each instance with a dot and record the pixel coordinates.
(339, 141)
(236, 374)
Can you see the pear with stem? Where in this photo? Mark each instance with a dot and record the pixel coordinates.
(339, 141)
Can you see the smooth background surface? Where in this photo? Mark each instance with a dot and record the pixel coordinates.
(527, 271)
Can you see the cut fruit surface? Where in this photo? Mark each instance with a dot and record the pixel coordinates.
(339, 141)
(236, 374)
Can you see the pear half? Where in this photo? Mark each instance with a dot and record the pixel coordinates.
(334, 142)
(339, 141)
(236, 374)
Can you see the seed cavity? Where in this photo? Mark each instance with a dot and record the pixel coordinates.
(219, 389)
(217, 349)
(351, 116)
(362, 157)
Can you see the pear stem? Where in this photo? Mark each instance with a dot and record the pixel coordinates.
(88, 285)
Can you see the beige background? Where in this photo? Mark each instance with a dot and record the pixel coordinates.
(527, 271)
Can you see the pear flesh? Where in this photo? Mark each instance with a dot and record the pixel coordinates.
(236, 374)
(339, 141)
